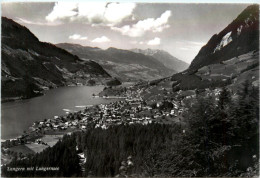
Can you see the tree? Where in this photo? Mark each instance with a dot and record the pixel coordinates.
(113, 82)
(224, 98)
(91, 82)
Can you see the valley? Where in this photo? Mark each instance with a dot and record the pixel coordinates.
(30, 66)
(143, 113)
(127, 65)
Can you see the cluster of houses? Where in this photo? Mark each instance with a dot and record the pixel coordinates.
(40, 141)
(58, 123)
(103, 115)
(132, 110)
(121, 112)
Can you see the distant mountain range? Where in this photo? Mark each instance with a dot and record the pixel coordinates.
(164, 57)
(129, 65)
(230, 58)
(29, 66)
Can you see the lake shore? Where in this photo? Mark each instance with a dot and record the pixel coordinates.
(54, 102)
(41, 93)
(41, 135)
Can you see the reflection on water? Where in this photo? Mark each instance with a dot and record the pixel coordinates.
(19, 115)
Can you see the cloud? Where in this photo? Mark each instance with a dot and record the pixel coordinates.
(62, 10)
(184, 48)
(155, 41)
(77, 37)
(197, 43)
(142, 26)
(102, 39)
(133, 42)
(190, 45)
(24, 21)
(91, 12)
(116, 12)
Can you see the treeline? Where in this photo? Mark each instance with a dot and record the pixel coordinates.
(63, 155)
(220, 139)
(106, 149)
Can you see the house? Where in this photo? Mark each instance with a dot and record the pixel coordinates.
(48, 121)
(158, 104)
(156, 116)
(55, 127)
(74, 123)
(82, 158)
(104, 126)
(63, 128)
(130, 163)
(149, 108)
(41, 123)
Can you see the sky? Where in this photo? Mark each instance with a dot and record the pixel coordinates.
(180, 29)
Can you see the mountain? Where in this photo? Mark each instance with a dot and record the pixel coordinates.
(228, 59)
(123, 64)
(29, 66)
(164, 57)
(239, 37)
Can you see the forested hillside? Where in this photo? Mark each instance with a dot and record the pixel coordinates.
(220, 138)
(30, 66)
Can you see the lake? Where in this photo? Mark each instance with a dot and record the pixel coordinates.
(19, 115)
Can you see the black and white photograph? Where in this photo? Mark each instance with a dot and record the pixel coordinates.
(129, 89)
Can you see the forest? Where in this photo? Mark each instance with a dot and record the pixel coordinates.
(220, 138)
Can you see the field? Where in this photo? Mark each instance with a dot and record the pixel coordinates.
(51, 140)
(22, 148)
(61, 132)
(37, 148)
(5, 159)
(232, 67)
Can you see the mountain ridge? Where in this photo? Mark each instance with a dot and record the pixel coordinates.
(223, 61)
(228, 59)
(30, 66)
(164, 57)
(239, 37)
(121, 63)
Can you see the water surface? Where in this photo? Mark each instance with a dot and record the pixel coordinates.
(19, 115)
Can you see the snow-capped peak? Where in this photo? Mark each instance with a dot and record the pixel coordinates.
(239, 30)
(225, 41)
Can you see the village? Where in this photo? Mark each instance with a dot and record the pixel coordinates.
(135, 106)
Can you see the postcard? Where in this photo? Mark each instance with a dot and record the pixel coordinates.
(129, 89)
